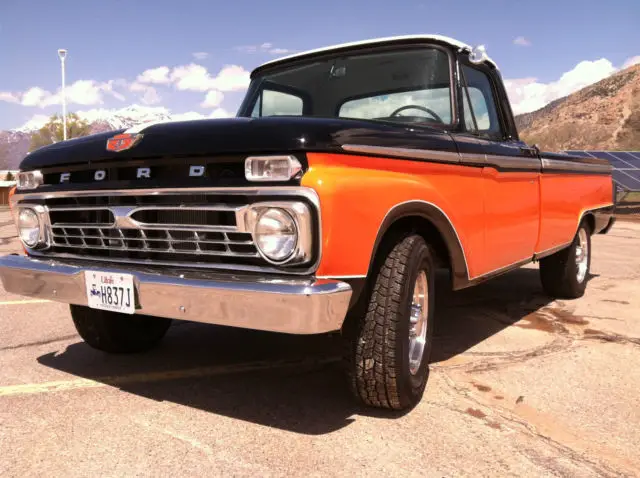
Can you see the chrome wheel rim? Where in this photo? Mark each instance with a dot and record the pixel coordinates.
(582, 255)
(418, 321)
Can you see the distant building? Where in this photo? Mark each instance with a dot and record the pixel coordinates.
(5, 187)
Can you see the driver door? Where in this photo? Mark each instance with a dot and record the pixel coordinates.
(510, 174)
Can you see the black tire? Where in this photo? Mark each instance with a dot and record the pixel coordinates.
(377, 352)
(559, 272)
(118, 333)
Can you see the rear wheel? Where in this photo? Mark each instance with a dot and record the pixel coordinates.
(564, 274)
(118, 333)
(389, 347)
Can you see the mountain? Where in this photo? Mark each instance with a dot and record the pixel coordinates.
(603, 116)
(13, 147)
(14, 144)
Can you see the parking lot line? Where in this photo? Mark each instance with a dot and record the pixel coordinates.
(20, 302)
(80, 383)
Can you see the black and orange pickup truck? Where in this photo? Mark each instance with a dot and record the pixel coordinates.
(348, 176)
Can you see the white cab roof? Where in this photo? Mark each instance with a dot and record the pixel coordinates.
(373, 41)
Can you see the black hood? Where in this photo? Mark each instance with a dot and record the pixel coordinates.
(238, 136)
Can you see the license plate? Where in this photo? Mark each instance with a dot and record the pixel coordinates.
(110, 291)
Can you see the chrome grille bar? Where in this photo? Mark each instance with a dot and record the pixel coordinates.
(225, 253)
(179, 229)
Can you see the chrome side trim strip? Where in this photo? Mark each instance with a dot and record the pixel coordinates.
(473, 158)
(501, 162)
(559, 165)
(513, 162)
(291, 306)
(408, 153)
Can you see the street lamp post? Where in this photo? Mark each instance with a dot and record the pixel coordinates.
(62, 54)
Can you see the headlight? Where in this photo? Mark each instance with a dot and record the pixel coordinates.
(276, 234)
(29, 179)
(29, 227)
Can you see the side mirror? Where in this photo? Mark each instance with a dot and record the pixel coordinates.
(478, 55)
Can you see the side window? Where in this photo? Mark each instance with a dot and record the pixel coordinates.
(479, 104)
(273, 103)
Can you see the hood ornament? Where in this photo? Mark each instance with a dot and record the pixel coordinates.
(121, 142)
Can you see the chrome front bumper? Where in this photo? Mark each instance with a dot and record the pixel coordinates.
(295, 306)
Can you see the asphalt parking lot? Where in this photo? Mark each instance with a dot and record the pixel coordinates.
(520, 386)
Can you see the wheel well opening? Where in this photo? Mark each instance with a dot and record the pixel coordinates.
(412, 225)
(402, 227)
(590, 220)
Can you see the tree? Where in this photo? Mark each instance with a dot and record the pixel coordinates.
(52, 132)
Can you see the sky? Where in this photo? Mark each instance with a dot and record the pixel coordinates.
(193, 57)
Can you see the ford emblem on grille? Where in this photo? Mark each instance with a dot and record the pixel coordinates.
(123, 141)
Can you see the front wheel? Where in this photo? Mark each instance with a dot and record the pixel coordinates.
(564, 274)
(118, 333)
(389, 348)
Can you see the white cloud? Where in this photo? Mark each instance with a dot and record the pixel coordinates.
(200, 55)
(188, 116)
(192, 77)
(280, 51)
(149, 96)
(158, 76)
(109, 88)
(9, 97)
(35, 96)
(634, 60)
(220, 113)
(81, 92)
(231, 78)
(528, 94)
(266, 47)
(36, 122)
(195, 77)
(521, 41)
(212, 99)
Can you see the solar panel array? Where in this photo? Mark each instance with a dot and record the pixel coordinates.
(626, 166)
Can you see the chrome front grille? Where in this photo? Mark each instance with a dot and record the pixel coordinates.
(202, 232)
(209, 228)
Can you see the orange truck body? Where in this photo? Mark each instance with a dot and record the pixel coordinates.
(501, 218)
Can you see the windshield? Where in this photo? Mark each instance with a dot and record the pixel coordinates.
(408, 86)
